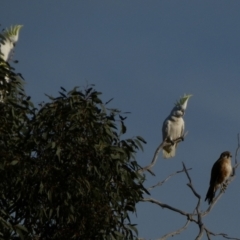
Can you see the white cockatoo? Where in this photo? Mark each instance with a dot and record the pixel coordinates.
(173, 127)
(9, 37)
(8, 40)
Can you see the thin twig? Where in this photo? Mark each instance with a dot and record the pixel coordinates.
(166, 179)
(219, 234)
(159, 148)
(238, 147)
(199, 222)
(208, 235)
(175, 232)
(147, 168)
(163, 205)
(191, 217)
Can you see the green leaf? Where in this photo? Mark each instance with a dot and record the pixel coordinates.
(50, 213)
(53, 144)
(139, 144)
(141, 139)
(132, 227)
(124, 129)
(49, 194)
(58, 152)
(76, 175)
(21, 227)
(14, 162)
(19, 232)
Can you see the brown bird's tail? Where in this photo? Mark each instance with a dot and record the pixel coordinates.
(210, 194)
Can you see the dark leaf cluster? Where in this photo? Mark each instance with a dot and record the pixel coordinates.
(65, 171)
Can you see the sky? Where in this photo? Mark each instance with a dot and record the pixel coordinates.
(145, 55)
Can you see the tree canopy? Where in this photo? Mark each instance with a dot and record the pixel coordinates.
(66, 171)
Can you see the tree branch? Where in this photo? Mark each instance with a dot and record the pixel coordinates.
(199, 221)
(163, 205)
(159, 148)
(191, 217)
(219, 234)
(175, 232)
(167, 178)
(238, 147)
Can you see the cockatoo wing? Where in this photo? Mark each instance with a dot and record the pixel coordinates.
(168, 151)
(166, 129)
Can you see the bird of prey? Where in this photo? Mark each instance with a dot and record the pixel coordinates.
(173, 127)
(221, 171)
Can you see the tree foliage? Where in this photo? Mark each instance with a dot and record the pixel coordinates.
(65, 170)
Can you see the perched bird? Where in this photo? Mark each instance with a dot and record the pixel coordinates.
(173, 127)
(221, 171)
(9, 37)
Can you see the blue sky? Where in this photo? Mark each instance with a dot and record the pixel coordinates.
(146, 54)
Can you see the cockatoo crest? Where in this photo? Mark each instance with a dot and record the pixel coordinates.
(9, 38)
(12, 33)
(183, 101)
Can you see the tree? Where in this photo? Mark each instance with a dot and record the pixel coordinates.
(196, 216)
(66, 171)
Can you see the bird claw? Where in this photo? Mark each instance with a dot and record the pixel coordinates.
(169, 140)
(224, 187)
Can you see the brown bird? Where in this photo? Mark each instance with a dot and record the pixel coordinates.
(221, 171)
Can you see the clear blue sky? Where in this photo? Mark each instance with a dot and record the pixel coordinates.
(146, 54)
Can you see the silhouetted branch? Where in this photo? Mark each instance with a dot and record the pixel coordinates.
(175, 232)
(199, 221)
(238, 147)
(167, 178)
(159, 148)
(197, 214)
(163, 205)
(219, 234)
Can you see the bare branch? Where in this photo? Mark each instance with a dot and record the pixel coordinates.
(154, 160)
(159, 148)
(191, 217)
(176, 232)
(238, 147)
(219, 234)
(201, 232)
(167, 178)
(190, 183)
(163, 205)
(208, 235)
(185, 170)
(199, 215)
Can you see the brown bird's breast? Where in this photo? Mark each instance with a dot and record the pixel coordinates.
(226, 170)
